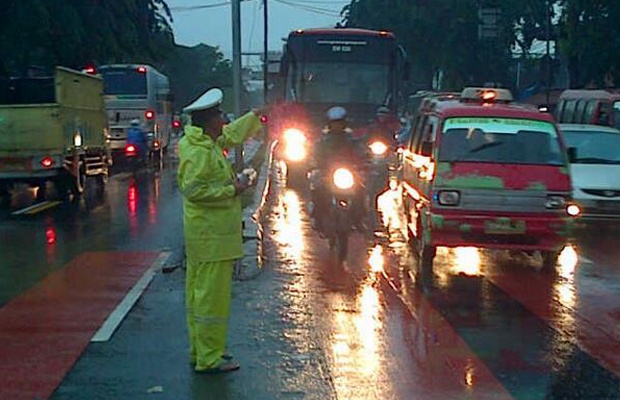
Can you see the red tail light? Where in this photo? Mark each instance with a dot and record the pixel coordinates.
(47, 162)
(149, 114)
(264, 119)
(176, 124)
(156, 144)
(130, 150)
(142, 70)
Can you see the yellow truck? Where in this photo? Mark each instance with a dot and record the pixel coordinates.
(53, 129)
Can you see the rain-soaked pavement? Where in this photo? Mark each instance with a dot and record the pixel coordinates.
(487, 325)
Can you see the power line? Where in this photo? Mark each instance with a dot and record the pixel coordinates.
(312, 9)
(202, 6)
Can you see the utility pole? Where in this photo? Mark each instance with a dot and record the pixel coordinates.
(266, 53)
(236, 64)
(548, 34)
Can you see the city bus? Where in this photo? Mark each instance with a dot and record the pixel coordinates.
(136, 91)
(358, 69)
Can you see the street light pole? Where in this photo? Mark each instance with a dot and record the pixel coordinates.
(236, 70)
(548, 34)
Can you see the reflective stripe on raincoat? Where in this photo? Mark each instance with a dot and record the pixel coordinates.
(212, 218)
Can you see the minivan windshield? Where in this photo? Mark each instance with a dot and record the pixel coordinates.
(500, 140)
(594, 147)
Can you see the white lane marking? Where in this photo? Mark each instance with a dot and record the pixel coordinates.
(585, 260)
(118, 315)
(35, 207)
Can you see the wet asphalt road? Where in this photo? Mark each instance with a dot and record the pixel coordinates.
(488, 325)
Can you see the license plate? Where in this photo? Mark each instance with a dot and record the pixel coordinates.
(504, 227)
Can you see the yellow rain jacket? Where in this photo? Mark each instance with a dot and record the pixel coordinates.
(212, 219)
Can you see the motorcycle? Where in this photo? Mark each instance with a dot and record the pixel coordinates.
(134, 158)
(342, 188)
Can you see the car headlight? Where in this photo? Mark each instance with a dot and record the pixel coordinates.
(555, 202)
(448, 198)
(378, 148)
(343, 179)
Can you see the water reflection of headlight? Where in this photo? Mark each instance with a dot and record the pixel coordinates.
(467, 261)
(378, 148)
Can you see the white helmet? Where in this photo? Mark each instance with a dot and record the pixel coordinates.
(135, 122)
(336, 113)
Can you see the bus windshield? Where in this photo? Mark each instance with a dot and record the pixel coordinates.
(124, 82)
(323, 82)
(500, 140)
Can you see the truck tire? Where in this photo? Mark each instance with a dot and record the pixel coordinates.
(78, 183)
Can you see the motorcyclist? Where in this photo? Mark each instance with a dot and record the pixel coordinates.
(337, 145)
(137, 137)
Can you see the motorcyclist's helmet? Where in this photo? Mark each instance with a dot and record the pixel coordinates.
(336, 114)
(135, 122)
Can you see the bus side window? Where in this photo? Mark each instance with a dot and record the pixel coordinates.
(559, 111)
(579, 111)
(604, 113)
(590, 111)
(569, 110)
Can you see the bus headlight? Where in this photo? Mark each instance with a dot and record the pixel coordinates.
(343, 179)
(294, 144)
(378, 148)
(77, 140)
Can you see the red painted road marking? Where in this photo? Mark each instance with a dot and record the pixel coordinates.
(46, 329)
(584, 311)
(450, 365)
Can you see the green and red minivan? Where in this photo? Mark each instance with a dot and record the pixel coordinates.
(483, 171)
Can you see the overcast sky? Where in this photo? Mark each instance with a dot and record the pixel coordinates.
(213, 25)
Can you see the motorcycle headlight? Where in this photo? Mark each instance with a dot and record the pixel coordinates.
(378, 148)
(343, 179)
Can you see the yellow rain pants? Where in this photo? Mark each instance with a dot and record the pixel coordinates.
(207, 298)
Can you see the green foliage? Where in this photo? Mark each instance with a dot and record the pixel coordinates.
(77, 32)
(590, 41)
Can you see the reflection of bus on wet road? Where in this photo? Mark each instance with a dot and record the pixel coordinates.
(137, 92)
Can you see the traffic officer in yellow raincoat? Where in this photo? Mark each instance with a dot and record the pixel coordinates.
(212, 225)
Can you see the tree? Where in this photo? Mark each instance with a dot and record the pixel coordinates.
(590, 41)
(441, 36)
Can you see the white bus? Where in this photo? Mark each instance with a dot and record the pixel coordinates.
(136, 91)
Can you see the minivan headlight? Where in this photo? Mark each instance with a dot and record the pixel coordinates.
(448, 198)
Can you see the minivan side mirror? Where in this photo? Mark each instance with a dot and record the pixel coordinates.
(572, 154)
(427, 149)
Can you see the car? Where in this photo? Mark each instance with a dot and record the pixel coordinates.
(483, 171)
(595, 171)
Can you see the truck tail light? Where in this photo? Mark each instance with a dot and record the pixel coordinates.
(149, 114)
(47, 162)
